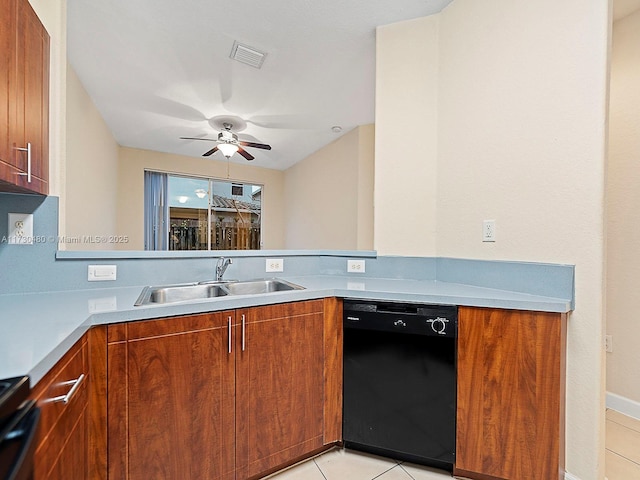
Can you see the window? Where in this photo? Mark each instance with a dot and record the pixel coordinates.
(192, 213)
(236, 189)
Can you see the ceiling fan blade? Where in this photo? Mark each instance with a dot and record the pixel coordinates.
(255, 145)
(245, 154)
(210, 152)
(199, 138)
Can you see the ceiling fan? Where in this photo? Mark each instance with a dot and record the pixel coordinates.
(229, 144)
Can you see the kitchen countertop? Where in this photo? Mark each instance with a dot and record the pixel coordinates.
(38, 328)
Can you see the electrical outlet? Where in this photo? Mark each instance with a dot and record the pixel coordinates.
(489, 231)
(608, 343)
(355, 266)
(20, 229)
(275, 265)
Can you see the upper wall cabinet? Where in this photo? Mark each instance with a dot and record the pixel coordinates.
(24, 100)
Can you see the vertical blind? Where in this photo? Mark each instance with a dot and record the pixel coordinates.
(156, 211)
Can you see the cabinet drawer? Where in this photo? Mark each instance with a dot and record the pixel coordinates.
(62, 396)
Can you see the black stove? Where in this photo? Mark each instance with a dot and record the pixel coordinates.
(18, 424)
(13, 391)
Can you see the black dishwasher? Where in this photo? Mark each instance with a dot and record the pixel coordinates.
(400, 380)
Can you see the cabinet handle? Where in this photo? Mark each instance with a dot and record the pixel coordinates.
(229, 332)
(66, 398)
(243, 331)
(28, 150)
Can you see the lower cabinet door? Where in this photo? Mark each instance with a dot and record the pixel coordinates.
(170, 409)
(280, 388)
(510, 421)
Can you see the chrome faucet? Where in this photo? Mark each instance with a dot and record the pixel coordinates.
(221, 267)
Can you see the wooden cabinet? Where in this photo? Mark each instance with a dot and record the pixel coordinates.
(24, 100)
(62, 395)
(170, 398)
(510, 420)
(227, 395)
(280, 391)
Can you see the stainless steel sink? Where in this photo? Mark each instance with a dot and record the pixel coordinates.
(179, 293)
(254, 287)
(199, 291)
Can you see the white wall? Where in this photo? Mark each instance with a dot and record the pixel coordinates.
(133, 162)
(92, 171)
(623, 210)
(520, 113)
(328, 195)
(406, 137)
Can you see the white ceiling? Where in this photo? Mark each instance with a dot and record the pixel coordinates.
(160, 69)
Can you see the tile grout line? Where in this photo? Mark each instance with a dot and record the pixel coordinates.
(623, 425)
(412, 477)
(388, 470)
(622, 456)
(318, 466)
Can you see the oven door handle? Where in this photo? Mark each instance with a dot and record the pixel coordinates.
(22, 429)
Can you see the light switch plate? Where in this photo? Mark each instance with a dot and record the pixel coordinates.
(20, 229)
(355, 266)
(101, 273)
(274, 265)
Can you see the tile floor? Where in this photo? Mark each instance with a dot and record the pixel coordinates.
(340, 464)
(622, 454)
(622, 460)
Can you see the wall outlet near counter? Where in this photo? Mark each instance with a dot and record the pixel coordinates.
(489, 231)
(275, 265)
(355, 266)
(20, 229)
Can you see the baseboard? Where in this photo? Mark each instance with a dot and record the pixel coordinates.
(623, 405)
(568, 476)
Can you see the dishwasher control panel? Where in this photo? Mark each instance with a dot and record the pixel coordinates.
(413, 318)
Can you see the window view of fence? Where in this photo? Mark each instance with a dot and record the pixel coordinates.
(207, 214)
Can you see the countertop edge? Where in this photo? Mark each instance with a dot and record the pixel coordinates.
(534, 303)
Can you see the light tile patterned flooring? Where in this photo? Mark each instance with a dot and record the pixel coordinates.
(623, 447)
(622, 460)
(340, 464)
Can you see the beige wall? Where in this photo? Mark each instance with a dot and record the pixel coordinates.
(133, 162)
(406, 137)
(92, 171)
(520, 126)
(623, 210)
(366, 157)
(328, 195)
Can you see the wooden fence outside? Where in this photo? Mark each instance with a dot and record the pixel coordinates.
(224, 236)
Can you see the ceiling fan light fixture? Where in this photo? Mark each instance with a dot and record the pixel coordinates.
(228, 149)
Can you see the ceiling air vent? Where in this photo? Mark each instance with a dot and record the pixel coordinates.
(248, 55)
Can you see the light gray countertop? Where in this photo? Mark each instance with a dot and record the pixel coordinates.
(37, 329)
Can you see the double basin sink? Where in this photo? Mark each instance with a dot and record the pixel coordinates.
(204, 290)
